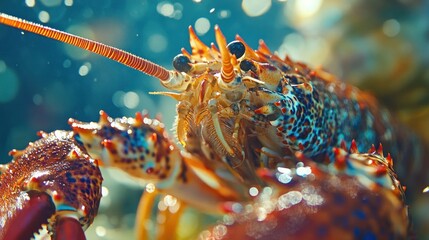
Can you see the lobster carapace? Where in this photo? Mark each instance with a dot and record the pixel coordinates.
(241, 111)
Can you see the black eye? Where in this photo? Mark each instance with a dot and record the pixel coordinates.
(247, 65)
(181, 63)
(237, 48)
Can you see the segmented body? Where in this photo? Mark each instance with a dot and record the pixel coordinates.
(272, 108)
(240, 111)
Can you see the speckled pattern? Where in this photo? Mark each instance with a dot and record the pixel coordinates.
(272, 108)
(250, 119)
(138, 145)
(57, 165)
(141, 148)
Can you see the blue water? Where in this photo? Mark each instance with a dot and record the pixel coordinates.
(43, 82)
(42, 87)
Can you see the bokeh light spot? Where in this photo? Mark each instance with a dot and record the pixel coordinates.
(224, 14)
(131, 100)
(67, 63)
(118, 99)
(307, 8)
(9, 84)
(255, 8)
(100, 231)
(104, 191)
(157, 43)
(37, 99)
(30, 3)
(253, 191)
(68, 3)
(44, 16)
(84, 69)
(391, 27)
(202, 26)
(51, 3)
(165, 8)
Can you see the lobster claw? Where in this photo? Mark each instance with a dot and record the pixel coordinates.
(50, 182)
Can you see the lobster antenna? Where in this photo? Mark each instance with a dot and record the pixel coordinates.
(113, 53)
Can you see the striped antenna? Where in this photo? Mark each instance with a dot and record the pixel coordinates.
(115, 54)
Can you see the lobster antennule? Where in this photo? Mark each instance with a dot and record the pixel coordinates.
(110, 52)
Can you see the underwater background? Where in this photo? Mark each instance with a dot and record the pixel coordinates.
(382, 47)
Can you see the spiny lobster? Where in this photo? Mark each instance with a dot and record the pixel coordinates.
(264, 145)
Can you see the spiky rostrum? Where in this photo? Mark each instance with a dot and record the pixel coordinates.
(57, 165)
(311, 201)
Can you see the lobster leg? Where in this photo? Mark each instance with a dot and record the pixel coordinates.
(35, 212)
(144, 214)
(68, 228)
(170, 214)
(140, 147)
(54, 182)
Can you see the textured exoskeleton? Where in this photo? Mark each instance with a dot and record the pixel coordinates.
(262, 147)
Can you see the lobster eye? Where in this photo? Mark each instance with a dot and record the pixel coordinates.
(181, 63)
(247, 65)
(237, 48)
